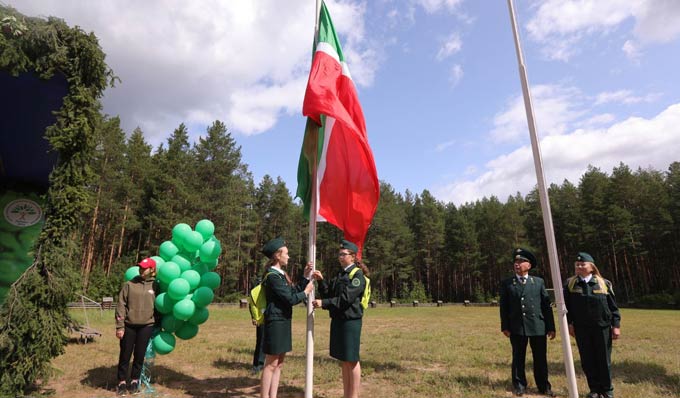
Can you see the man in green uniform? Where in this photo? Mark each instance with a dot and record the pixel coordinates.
(526, 317)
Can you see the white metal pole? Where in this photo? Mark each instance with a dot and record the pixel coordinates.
(547, 216)
(311, 253)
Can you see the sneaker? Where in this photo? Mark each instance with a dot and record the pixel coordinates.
(134, 387)
(122, 389)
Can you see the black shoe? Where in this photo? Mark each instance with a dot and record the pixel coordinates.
(256, 369)
(134, 387)
(122, 389)
(547, 393)
(518, 391)
(593, 395)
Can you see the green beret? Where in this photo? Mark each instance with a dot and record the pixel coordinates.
(524, 254)
(273, 246)
(583, 256)
(345, 244)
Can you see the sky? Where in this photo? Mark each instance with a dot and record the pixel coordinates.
(438, 81)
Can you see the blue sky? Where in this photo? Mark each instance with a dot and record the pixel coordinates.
(438, 81)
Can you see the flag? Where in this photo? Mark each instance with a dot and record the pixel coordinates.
(348, 187)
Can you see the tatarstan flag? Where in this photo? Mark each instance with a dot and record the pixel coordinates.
(348, 187)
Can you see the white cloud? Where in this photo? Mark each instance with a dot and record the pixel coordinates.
(441, 147)
(451, 45)
(561, 25)
(631, 50)
(238, 61)
(432, 6)
(624, 97)
(555, 108)
(637, 142)
(456, 74)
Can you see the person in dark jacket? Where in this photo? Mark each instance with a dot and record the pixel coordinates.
(342, 299)
(594, 319)
(281, 297)
(135, 319)
(526, 317)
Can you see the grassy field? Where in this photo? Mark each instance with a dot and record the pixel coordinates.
(450, 351)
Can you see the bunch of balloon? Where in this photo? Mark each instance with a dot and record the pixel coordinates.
(184, 269)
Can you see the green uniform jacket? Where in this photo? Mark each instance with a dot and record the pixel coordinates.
(280, 296)
(136, 303)
(525, 308)
(342, 297)
(585, 308)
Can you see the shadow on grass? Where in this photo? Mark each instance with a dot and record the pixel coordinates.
(637, 372)
(104, 377)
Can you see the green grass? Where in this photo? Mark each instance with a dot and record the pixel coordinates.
(450, 351)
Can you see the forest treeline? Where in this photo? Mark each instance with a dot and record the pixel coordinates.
(417, 247)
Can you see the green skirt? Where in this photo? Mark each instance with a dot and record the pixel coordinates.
(345, 339)
(277, 337)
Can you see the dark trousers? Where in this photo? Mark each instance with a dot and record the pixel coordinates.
(538, 352)
(258, 354)
(595, 349)
(135, 339)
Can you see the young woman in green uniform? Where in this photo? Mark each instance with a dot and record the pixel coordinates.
(594, 319)
(342, 298)
(281, 297)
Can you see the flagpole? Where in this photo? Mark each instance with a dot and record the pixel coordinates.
(311, 252)
(547, 216)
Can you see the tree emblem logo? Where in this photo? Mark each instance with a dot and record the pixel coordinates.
(22, 213)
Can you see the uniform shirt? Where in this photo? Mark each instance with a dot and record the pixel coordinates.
(588, 305)
(281, 297)
(342, 296)
(525, 307)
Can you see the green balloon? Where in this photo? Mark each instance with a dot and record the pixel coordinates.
(170, 324)
(210, 251)
(200, 316)
(187, 331)
(193, 277)
(200, 268)
(206, 228)
(168, 250)
(131, 273)
(189, 256)
(211, 280)
(192, 241)
(164, 303)
(163, 343)
(183, 263)
(178, 289)
(163, 286)
(159, 261)
(211, 265)
(184, 309)
(203, 296)
(169, 272)
(179, 232)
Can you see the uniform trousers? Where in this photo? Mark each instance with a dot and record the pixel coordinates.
(519, 353)
(595, 349)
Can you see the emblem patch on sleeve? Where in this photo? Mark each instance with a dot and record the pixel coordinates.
(356, 282)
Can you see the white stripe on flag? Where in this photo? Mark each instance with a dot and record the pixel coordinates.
(321, 169)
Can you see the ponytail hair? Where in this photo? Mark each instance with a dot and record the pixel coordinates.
(363, 267)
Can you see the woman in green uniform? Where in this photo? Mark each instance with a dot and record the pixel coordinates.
(594, 319)
(342, 299)
(281, 297)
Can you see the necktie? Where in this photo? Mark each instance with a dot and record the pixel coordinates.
(523, 279)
